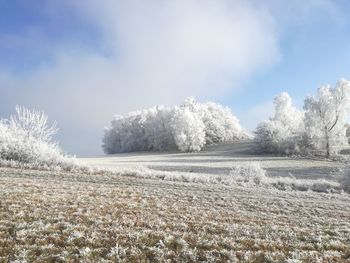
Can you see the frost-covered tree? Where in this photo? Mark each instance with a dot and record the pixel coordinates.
(220, 123)
(34, 123)
(158, 131)
(146, 130)
(188, 130)
(288, 115)
(161, 128)
(320, 130)
(27, 138)
(348, 132)
(325, 118)
(281, 133)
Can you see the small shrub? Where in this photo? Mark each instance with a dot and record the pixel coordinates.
(26, 139)
(253, 174)
(248, 173)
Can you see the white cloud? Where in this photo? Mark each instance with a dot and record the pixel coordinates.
(158, 52)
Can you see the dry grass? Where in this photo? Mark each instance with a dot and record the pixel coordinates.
(58, 217)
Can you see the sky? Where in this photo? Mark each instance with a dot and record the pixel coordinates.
(82, 62)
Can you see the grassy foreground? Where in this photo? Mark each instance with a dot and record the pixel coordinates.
(56, 217)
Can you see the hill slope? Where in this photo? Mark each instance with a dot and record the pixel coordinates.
(219, 159)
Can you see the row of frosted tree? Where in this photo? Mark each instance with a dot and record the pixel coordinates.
(188, 127)
(319, 129)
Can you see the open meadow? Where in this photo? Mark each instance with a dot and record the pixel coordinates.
(69, 217)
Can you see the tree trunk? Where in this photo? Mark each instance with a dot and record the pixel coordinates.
(327, 144)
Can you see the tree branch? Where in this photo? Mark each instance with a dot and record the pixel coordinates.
(335, 122)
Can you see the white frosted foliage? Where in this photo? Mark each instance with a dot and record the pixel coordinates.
(319, 130)
(187, 128)
(27, 138)
(325, 118)
(280, 134)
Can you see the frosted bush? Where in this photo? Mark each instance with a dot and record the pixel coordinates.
(26, 138)
(248, 173)
(186, 128)
(282, 132)
(275, 137)
(252, 174)
(33, 123)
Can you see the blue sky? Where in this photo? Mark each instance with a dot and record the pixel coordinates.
(314, 52)
(83, 61)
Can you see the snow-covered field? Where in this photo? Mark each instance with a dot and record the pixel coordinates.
(219, 160)
(60, 217)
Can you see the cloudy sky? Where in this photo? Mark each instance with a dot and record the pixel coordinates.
(84, 61)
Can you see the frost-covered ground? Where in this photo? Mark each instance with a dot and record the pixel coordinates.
(219, 159)
(60, 217)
